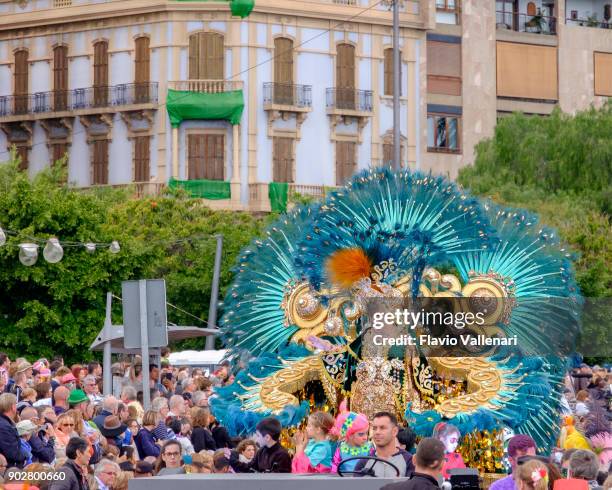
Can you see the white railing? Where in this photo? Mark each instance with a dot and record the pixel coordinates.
(317, 191)
(206, 86)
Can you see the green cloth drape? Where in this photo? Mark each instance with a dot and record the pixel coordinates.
(183, 104)
(206, 189)
(278, 193)
(240, 8)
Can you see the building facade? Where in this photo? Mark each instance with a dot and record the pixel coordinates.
(293, 98)
(487, 59)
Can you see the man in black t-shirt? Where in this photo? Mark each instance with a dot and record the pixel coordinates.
(429, 461)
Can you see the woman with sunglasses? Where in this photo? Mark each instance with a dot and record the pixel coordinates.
(64, 430)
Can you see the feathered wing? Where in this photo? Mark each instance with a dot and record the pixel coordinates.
(411, 219)
(253, 321)
(530, 261)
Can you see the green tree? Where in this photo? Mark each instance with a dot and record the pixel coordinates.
(50, 309)
(561, 168)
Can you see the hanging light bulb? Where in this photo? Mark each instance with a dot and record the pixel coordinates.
(90, 247)
(53, 251)
(114, 247)
(2, 237)
(28, 253)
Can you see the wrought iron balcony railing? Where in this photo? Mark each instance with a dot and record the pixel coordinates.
(536, 24)
(206, 86)
(349, 99)
(288, 94)
(78, 98)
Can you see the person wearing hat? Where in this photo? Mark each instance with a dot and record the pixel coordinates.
(10, 444)
(80, 402)
(112, 430)
(42, 442)
(21, 371)
(25, 429)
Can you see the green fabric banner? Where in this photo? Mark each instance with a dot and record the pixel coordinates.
(206, 189)
(183, 105)
(278, 192)
(240, 8)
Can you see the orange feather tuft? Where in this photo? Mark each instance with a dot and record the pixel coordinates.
(347, 266)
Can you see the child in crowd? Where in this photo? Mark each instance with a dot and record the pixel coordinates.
(532, 475)
(313, 450)
(352, 430)
(449, 435)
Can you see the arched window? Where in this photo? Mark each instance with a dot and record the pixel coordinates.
(283, 71)
(142, 65)
(531, 8)
(389, 71)
(21, 81)
(101, 73)
(60, 78)
(345, 76)
(206, 56)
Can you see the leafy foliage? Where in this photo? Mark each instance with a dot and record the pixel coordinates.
(560, 167)
(50, 309)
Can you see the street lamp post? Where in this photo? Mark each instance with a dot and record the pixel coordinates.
(397, 84)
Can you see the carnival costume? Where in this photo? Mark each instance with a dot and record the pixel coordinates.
(347, 424)
(295, 316)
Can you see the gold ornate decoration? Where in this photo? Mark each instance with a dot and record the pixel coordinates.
(377, 386)
(484, 382)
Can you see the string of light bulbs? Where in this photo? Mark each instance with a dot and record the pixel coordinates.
(53, 249)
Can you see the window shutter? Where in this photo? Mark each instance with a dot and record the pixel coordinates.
(60, 78)
(100, 162)
(22, 151)
(101, 73)
(282, 159)
(58, 151)
(195, 157)
(345, 77)
(219, 157)
(345, 161)
(142, 69)
(21, 82)
(214, 56)
(443, 68)
(283, 71)
(141, 158)
(194, 56)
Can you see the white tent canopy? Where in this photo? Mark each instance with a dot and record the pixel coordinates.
(193, 358)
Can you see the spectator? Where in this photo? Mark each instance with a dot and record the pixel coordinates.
(90, 387)
(199, 399)
(406, 439)
(532, 475)
(109, 407)
(220, 462)
(384, 434)
(43, 394)
(271, 457)
(246, 450)
(518, 446)
(65, 430)
(112, 430)
(177, 426)
(10, 445)
(582, 401)
(60, 399)
(69, 381)
(177, 406)
(142, 469)
(161, 432)
(95, 369)
(25, 429)
(584, 465)
(74, 470)
(105, 473)
(169, 461)
(129, 396)
(42, 441)
(429, 461)
(145, 438)
(3, 466)
(219, 433)
(201, 438)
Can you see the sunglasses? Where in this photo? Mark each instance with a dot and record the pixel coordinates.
(67, 425)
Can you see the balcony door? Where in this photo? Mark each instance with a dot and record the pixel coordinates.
(21, 82)
(206, 156)
(283, 71)
(100, 74)
(142, 70)
(60, 78)
(206, 58)
(346, 161)
(345, 76)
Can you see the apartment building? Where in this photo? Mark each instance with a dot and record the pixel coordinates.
(243, 102)
(486, 59)
(153, 91)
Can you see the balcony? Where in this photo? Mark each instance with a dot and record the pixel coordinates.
(287, 97)
(533, 24)
(137, 190)
(349, 102)
(77, 101)
(206, 86)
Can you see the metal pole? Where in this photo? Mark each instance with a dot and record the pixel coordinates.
(144, 344)
(397, 84)
(214, 294)
(107, 375)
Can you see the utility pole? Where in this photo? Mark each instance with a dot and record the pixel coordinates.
(397, 84)
(214, 294)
